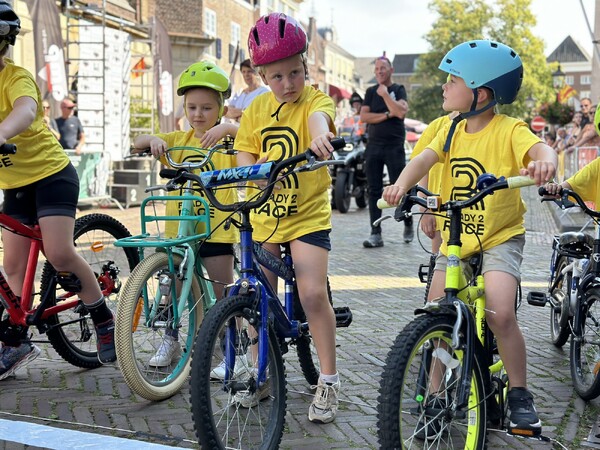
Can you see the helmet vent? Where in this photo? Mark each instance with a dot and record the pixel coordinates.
(493, 44)
(472, 44)
(281, 27)
(255, 35)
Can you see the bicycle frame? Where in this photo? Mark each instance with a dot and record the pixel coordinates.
(21, 311)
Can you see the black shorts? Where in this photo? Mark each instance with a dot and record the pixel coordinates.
(56, 195)
(208, 249)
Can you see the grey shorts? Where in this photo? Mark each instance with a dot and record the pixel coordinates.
(505, 257)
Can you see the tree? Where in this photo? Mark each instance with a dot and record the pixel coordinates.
(506, 21)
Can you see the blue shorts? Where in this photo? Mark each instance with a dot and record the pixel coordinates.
(318, 238)
(56, 195)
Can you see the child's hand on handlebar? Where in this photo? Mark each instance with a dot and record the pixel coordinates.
(158, 147)
(553, 189)
(428, 225)
(211, 137)
(541, 171)
(321, 146)
(393, 194)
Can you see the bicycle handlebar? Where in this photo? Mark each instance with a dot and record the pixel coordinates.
(8, 149)
(431, 201)
(564, 201)
(266, 171)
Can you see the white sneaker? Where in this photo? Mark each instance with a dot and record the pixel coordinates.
(241, 366)
(169, 348)
(246, 399)
(325, 403)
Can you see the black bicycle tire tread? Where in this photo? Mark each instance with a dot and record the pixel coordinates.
(559, 339)
(201, 358)
(390, 383)
(342, 201)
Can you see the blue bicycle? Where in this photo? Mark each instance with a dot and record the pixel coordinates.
(249, 329)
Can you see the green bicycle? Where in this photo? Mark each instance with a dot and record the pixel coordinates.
(168, 293)
(449, 342)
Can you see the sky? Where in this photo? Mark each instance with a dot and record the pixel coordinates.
(367, 28)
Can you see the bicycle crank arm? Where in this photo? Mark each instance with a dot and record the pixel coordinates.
(343, 316)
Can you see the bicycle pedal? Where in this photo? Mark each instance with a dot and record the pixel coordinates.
(537, 298)
(527, 434)
(68, 281)
(423, 273)
(343, 316)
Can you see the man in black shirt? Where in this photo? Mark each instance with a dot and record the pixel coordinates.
(383, 110)
(70, 128)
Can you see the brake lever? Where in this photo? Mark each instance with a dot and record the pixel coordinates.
(381, 219)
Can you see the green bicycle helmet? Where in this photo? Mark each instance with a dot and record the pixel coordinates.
(208, 75)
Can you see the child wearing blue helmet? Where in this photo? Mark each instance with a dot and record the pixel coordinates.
(481, 74)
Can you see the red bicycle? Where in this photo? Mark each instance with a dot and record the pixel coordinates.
(52, 304)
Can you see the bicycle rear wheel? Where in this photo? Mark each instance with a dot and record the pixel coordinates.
(144, 324)
(410, 416)
(71, 331)
(585, 352)
(228, 409)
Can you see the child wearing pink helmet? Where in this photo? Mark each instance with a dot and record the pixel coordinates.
(277, 125)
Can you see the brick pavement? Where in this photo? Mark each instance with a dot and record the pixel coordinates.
(381, 287)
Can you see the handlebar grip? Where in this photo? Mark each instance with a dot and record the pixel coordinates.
(338, 143)
(8, 149)
(542, 191)
(168, 173)
(382, 204)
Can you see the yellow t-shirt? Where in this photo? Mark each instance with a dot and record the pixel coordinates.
(39, 154)
(226, 195)
(279, 131)
(435, 173)
(500, 149)
(586, 182)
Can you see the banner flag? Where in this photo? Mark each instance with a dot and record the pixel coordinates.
(49, 54)
(163, 77)
(566, 93)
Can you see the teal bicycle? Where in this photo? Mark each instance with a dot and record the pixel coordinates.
(168, 293)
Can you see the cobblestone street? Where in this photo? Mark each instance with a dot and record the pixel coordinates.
(382, 289)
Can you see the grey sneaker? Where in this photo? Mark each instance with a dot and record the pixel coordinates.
(13, 358)
(169, 348)
(523, 416)
(325, 403)
(374, 240)
(247, 399)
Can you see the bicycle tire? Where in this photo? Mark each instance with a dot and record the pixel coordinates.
(560, 328)
(219, 421)
(139, 332)
(72, 332)
(305, 349)
(342, 192)
(402, 393)
(585, 351)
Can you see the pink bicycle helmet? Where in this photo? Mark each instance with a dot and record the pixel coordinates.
(275, 37)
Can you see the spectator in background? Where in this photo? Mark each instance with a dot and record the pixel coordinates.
(587, 111)
(588, 136)
(70, 128)
(383, 111)
(242, 99)
(50, 122)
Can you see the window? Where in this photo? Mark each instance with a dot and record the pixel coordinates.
(236, 33)
(570, 80)
(585, 79)
(210, 28)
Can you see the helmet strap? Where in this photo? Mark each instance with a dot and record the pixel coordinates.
(461, 116)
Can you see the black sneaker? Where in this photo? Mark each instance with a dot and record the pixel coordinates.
(430, 424)
(105, 341)
(374, 240)
(523, 418)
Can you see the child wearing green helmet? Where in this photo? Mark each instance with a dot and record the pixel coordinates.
(481, 74)
(204, 87)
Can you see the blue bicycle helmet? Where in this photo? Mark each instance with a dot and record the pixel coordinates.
(486, 64)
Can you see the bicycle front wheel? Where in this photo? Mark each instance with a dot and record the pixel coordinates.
(416, 404)
(230, 409)
(560, 329)
(71, 332)
(585, 348)
(154, 353)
